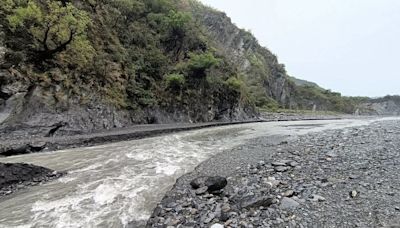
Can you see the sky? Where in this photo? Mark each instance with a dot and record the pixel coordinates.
(348, 46)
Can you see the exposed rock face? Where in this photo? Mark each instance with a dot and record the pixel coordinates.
(248, 55)
(36, 111)
(389, 106)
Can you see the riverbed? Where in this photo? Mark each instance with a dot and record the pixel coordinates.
(113, 184)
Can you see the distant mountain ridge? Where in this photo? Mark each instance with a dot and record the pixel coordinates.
(301, 82)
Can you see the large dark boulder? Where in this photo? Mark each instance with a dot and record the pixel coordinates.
(212, 183)
(14, 176)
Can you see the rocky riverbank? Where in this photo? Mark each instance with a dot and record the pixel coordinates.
(337, 178)
(17, 176)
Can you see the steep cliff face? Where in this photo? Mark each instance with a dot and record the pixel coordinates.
(264, 75)
(266, 79)
(133, 62)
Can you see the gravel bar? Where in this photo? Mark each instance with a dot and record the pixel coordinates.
(336, 178)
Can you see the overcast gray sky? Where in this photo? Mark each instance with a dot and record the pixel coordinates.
(349, 46)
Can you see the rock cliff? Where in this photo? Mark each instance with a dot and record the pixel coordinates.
(265, 76)
(385, 106)
(133, 62)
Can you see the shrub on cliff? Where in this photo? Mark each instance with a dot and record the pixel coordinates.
(175, 81)
(200, 63)
(235, 83)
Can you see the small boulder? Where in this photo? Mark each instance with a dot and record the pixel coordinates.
(212, 183)
(281, 168)
(278, 164)
(288, 203)
(353, 194)
(288, 193)
(255, 202)
(317, 198)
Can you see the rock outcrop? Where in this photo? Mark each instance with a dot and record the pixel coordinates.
(264, 73)
(19, 175)
(386, 106)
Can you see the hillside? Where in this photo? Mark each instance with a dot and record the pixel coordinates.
(301, 82)
(83, 65)
(388, 106)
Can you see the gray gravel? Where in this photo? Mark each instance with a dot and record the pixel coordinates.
(338, 178)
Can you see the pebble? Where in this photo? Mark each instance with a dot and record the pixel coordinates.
(217, 226)
(288, 193)
(353, 194)
(278, 164)
(281, 168)
(317, 198)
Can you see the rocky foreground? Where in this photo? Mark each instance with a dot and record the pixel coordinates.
(337, 178)
(16, 176)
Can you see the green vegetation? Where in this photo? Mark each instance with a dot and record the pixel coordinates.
(143, 54)
(134, 54)
(53, 28)
(308, 96)
(395, 99)
(200, 63)
(175, 81)
(235, 83)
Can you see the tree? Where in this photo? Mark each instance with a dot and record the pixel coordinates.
(54, 26)
(175, 81)
(177, 24)
(200, 63)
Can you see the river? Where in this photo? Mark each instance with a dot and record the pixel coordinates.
(111, 185)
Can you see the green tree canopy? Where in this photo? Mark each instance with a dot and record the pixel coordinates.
(54, 27)
(175, 81)
(200, 63)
